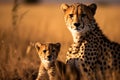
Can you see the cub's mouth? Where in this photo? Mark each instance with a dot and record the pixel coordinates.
(47, 60)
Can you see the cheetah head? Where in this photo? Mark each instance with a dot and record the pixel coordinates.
(47, 52)
(78, 17)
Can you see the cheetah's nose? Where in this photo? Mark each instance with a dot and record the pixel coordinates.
(77, 24)
(49, 57)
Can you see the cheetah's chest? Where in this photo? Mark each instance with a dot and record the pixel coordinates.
(76, 51)
(86, 52)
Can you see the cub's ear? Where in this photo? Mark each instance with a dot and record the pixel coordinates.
(37, 46)
(93, 8)
(64, 7)
(58, 45)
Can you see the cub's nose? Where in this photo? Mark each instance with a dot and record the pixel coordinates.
(76, 24)
(49, 57)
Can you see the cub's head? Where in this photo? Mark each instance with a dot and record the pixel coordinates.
(47, 52)
(79, 17)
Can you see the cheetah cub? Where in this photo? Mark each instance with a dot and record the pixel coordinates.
(51, 68)
(48, 54)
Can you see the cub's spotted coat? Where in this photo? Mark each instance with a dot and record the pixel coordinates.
(52, 69)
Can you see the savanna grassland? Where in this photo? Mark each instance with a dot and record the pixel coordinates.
(43, 23)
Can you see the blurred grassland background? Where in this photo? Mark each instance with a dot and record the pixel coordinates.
(43, 23)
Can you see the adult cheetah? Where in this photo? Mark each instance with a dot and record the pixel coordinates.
(50, 67)
(91, 49)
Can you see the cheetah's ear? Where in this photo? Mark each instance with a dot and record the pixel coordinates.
(93, 8)
(37, 46)
(64, 7)
(58, 45)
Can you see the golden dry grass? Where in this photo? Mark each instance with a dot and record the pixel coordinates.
(42, 23)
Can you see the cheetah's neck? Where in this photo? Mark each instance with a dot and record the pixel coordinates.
(48, 65)
(77, 38)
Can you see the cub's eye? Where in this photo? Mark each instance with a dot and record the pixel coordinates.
(71, 15)
(44, 51)
(53, 50)
(83, 15)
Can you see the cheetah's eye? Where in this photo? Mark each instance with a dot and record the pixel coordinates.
(53, 50)
(71, 15)
(83, 15)
(44, 51)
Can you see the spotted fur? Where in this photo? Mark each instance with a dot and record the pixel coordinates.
(91, 49)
